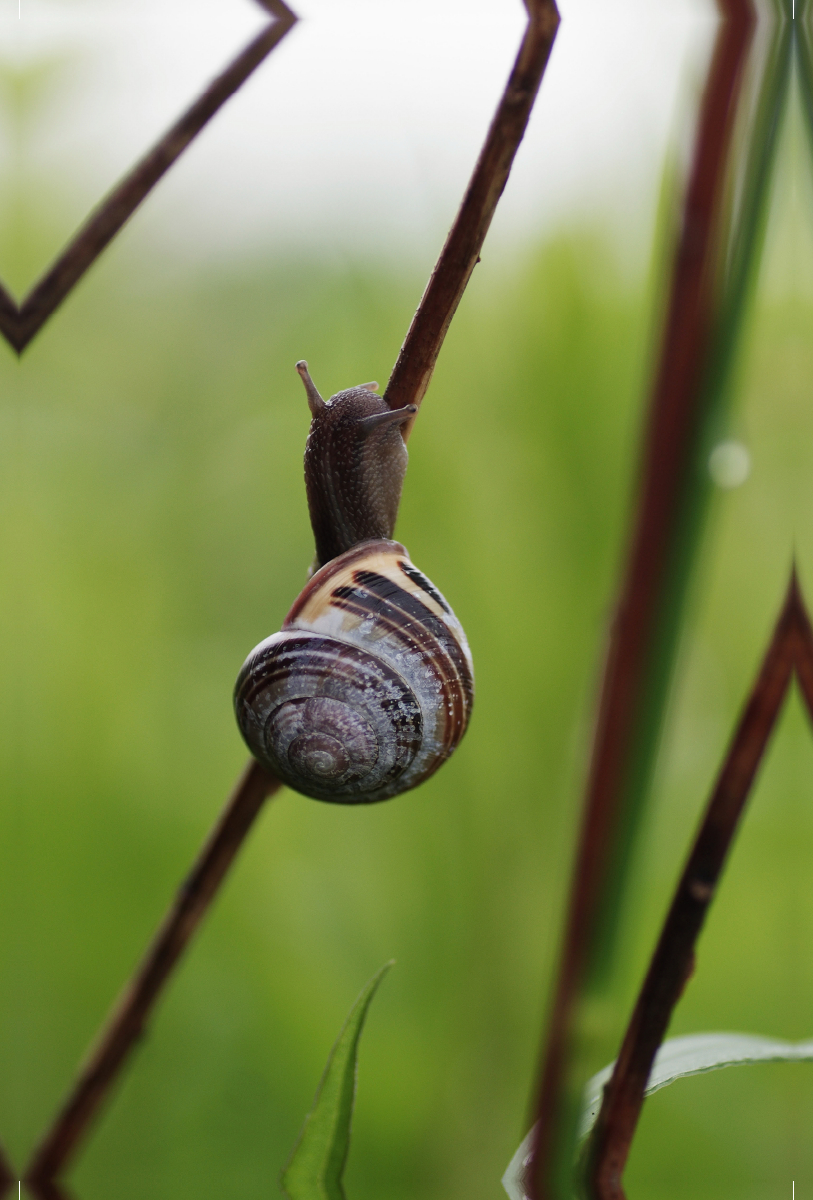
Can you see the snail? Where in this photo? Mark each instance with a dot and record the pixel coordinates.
(368, 687)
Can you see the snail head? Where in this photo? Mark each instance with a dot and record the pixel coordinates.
(355, 462)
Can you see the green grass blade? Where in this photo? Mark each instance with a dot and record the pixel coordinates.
(316, 1165)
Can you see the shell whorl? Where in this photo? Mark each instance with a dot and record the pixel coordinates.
(367, 688)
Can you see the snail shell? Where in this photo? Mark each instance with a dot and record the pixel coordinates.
(368, 687)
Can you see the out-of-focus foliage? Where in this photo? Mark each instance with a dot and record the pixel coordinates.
(154, 529)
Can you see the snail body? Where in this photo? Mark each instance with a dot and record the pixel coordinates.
(368, 687)
(355, 462)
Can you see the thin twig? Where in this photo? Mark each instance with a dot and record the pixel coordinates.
(129, 1017)
(19, 324)
(675, 418)
(672, 962)
(416, 361)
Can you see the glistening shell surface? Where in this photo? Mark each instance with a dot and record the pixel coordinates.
(367, 689)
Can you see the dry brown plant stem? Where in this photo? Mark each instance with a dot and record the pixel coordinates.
(791, 650)
(416, 361)
(20, 323)
(127, 1021)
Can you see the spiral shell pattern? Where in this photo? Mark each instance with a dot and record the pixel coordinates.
(367, 688)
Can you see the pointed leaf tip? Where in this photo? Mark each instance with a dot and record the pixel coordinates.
(315, 1168)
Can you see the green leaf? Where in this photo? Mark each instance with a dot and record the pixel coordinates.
(316, 1165)
(678, 1058)
(697, 1054)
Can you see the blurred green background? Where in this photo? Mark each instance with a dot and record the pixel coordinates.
(154, 529)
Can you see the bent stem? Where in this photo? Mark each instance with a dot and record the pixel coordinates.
(791, 649)
(128, 1019)
(416, 361)
(20, 323)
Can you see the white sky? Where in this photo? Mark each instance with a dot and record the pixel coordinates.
(361, 129)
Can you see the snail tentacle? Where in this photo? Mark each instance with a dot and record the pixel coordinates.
(394, 416)
(315, 402)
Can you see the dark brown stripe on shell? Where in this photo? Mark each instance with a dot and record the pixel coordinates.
(337, 565)
(423, 583)
(417, 628)
(357, 602)
(326, 666)
(388, 590)
(440, 652)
